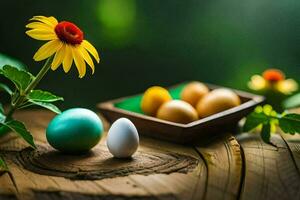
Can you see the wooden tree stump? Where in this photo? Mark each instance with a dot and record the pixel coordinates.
(226, 168)
(99, 163)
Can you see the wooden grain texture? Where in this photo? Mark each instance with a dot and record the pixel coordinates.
(293, 142)
(46, 195)
(100, 164)
(224, 164)
(226, 169)
(161, 185)
(192, 185)
(270, 172)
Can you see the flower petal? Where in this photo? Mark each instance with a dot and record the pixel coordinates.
(39, 25)
(79, 62)
(47, 50)
(86, 56)
(41, 34)
(287, 86)
(88, 46)
(68, 59)
(53, 20)
(58, 58)
(47, 20)
(257, 83)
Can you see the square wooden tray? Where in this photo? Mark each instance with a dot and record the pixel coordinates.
(193, 132)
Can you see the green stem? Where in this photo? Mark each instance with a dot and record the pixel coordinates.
(39, 76)
(19, 100)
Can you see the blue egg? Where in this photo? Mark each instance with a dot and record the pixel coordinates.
(75, 130)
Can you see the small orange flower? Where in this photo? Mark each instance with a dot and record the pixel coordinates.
(273, 75)
(66, 41)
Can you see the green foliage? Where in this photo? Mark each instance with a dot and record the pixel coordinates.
(292, 102)
(43, 96)
(1, 109)
(267, 117)
(44, 99)
(254, 120)
(19, 128)
(49, 106)
(5, 88)
(266, 132)
(20, 78)
(290, 123)
(22, 97)
(2, 117)
(6, 60)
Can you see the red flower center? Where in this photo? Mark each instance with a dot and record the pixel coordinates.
(273, 75)
(69, 33)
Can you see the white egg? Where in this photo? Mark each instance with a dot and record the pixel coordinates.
(122, 139)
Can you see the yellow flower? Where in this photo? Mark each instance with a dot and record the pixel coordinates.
(66, 41)
(273, 79)
(257, 83)
(287, 86)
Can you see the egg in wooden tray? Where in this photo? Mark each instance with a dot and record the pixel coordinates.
(184, 113)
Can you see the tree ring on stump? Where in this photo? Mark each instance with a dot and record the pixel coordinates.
(99, 163)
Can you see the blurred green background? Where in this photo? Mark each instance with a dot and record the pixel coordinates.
(154, 42)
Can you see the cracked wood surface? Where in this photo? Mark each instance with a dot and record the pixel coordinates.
(226, 168)
(270, 171)
(224, 164)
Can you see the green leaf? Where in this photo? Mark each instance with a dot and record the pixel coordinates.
(266, 132)
(7, 60)
(5, 88)
(1, 108)
(2, 117)
(19, 128)
(20, 78)
(254, 119)
(43, 96)
(290, 123)
(292, 102)
(47, 105)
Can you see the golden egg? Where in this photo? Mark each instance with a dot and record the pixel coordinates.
(177, 111)
(193, 92)
(153, 98)
(216, 101)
